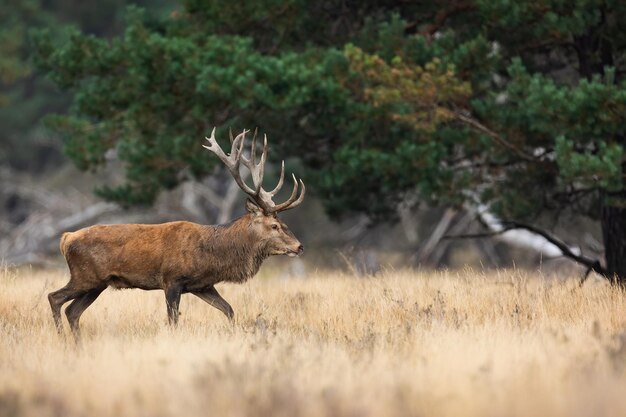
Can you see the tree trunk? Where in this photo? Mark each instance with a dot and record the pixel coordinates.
(614, 235)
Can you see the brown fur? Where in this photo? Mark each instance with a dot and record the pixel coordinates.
(177, 257)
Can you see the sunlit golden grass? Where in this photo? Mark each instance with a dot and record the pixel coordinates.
(399, 344)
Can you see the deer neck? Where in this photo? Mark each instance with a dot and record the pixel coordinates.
(237, 247)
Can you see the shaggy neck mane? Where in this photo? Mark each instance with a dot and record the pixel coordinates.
(235, 248)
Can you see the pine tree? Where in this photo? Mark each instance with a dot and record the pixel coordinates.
(518, 106)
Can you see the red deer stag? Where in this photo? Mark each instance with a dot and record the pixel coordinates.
(180, 257)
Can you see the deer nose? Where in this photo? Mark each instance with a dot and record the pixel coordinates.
(300, 249)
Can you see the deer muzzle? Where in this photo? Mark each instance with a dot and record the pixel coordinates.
(297, 252)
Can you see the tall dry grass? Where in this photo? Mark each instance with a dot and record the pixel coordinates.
(400, 344)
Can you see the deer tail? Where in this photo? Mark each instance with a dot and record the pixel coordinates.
(64, 243)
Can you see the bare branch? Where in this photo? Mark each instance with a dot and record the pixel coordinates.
(591, 264)
(477, 235)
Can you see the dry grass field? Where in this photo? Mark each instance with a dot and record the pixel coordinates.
(399, 344)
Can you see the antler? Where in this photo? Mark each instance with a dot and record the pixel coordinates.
(260, 196)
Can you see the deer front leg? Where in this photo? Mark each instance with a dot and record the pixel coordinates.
(212, 297)
(172, 298)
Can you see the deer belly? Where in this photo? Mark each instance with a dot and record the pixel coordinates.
(130, 280)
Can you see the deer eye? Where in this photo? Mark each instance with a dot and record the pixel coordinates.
(275, 226)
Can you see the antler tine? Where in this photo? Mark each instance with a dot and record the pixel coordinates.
(292, 201)
(236, 148)
(253, 147)
(238, 144)
(280, 181)
(257, 170)
(215, 147)
(300, 198)
(260, 167)
(233, 159)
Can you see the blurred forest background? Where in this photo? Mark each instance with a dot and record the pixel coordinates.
(410, 122)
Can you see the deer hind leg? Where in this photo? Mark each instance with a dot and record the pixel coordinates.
(212, 297)
(60, 297)
(172, 298)
(78, 306)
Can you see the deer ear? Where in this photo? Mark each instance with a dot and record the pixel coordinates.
(252, 208)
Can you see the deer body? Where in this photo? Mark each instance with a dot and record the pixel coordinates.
(178, 257)
(177, 253)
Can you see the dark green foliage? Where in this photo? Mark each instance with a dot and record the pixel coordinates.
(153, 94)
(25, 95)
(545, 119)
(517, 105)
